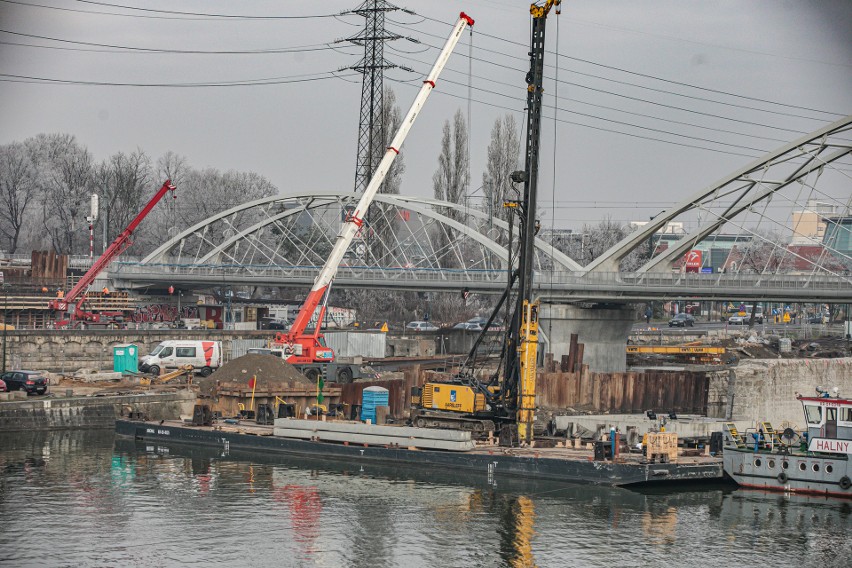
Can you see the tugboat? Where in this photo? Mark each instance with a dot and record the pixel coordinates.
(815, 462)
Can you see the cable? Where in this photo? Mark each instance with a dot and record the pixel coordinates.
(654, 102)
(558, 81)
(241, 83)
(622, 123)
(99, 13)
(207, 15)
(648, 76)
(600, 129)
(299, 49)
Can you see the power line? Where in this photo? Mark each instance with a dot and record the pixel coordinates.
(657, 130)
(603, 91)
(577, 101)
(100, 13)
(647, 76)
(241, 83)
(206, 14)
(717, 46)
(298, 49)
(597, 128)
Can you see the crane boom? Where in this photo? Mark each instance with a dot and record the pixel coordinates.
(306, 348)
(119, 245)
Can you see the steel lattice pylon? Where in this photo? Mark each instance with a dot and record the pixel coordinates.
(371, 131)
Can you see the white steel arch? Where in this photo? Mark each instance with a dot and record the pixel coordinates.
(755, 183)
(418, 232)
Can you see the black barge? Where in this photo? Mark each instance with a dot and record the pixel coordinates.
(550, 464)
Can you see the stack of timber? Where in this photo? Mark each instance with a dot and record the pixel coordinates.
(374, 435)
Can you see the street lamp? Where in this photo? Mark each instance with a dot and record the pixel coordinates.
(5, 325)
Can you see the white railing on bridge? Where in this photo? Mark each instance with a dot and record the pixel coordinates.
(542, 280)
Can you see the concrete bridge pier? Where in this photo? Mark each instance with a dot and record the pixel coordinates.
(603, 329)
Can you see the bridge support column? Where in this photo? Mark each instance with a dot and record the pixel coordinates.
(604, 331)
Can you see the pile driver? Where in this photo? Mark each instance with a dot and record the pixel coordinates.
(507, 398)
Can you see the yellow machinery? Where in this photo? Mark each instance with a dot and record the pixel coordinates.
(510, 400)
(528, 350)
(680, 352)
(184, 370)
(451, 405)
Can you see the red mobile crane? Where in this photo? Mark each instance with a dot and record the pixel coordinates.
(308, 350)
(75, 298)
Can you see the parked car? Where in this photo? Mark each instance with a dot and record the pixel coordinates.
(682, 320)
(819, 318)
(32, 382)
(420, 326)
(2, 386)
(468, 326)
(482, 321)
(274, 323)
(743, 320)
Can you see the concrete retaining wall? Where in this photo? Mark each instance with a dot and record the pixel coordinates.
(65, 351)
(51, 413)
(603, 330)
(765, 390)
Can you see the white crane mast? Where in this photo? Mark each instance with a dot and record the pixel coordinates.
(356, 219)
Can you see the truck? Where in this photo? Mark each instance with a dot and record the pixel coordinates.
(204, 356)
(307, 348)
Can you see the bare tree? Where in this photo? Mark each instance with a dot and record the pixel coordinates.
(173, 167)
(204, 193)
(594, 240)
(128, 186)
(18, 190)
(761, 254)
(65, 181)
(392, 117)
(503, 154)
(453, 175)
(451, 179)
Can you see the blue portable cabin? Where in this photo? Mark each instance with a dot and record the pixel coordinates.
(370, 399)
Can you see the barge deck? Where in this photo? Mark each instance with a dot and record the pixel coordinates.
(546, 464)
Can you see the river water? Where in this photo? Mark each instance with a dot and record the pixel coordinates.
(88, 499)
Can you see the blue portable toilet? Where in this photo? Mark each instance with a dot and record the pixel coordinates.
(370, 399)
(125, 358)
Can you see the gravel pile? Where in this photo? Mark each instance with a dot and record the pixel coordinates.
(273, 373)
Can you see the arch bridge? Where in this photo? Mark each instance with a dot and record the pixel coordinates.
(424, 244)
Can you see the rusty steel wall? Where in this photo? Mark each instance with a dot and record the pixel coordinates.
(48, 266)
(630, 392)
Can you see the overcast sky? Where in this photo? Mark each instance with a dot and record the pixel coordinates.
(651, 94)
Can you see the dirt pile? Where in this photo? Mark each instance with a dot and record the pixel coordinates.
(273, 373)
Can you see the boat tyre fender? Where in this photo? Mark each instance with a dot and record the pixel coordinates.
(782, 478)
(845, 483)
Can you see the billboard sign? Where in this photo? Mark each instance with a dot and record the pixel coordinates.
(693, 261)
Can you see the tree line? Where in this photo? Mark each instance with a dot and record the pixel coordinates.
(46, 184)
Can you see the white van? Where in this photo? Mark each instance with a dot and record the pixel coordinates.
(204, 356)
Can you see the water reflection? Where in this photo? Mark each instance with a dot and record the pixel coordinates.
(119, 502)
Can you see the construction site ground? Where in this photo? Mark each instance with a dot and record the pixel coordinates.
(272, 372)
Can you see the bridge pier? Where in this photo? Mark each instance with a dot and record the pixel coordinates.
(603, 329)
